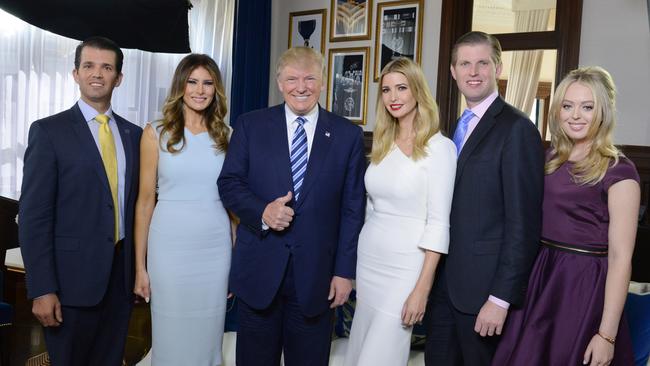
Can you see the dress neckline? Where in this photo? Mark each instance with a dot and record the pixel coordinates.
(194, 134)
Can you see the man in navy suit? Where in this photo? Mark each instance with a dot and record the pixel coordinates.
(294, 176)
(76, 216)
(495, 220)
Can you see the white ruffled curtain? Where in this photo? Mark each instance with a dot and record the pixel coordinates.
(36, 79)
(530, 16)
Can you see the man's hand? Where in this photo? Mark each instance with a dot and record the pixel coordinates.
(340, 289)
(47, 310)
(277, 215)
(490, 319)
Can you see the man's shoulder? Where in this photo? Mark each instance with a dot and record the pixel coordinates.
(127, 123)
(262, 114)
(339, 122)
(508, 115)
(53, 122)
(505, 111)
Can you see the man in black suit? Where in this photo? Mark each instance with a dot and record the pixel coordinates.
(76, 216)
(495, 215)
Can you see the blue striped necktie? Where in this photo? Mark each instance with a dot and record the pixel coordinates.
(298, 156)
(461, 129)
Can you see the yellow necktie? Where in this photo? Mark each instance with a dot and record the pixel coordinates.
(109, 157)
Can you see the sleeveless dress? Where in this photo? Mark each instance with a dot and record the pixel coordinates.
(408, 212)
(566, 290)
(188, 256)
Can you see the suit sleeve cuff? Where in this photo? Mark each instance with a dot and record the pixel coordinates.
(500, 303)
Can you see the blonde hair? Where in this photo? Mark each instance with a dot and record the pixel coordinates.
(602, 152)
(426, 122)
(173, 121)
(301, 56)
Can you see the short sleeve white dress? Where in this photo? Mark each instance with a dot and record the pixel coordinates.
(408, 212)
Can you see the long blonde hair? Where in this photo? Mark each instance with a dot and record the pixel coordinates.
(173, 121)
(602, 153)
(426, 122)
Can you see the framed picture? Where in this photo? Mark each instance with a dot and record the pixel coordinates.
(350, 20)
(399, 32)
(306, 29)
(347, 86)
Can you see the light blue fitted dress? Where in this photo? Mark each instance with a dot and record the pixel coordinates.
(188, 256)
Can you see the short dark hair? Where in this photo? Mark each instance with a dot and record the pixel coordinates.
(101, 43)
(474, 38)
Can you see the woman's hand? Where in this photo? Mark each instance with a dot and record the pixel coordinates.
(599, 352)
(141, 287)
(413, 309)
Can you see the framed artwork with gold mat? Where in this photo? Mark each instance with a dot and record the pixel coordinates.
(350, 20)
(348, 83)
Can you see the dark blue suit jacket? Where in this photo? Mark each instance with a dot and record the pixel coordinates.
(496, 210)
(66, 209)
(329, 213)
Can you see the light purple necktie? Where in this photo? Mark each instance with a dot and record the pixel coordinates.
(461, 129)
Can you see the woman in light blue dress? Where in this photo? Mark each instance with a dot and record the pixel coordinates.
(183, 241)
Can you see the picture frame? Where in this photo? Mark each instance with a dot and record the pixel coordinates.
(347, 83)
(350, 20)
(306, 28)
(398, 32)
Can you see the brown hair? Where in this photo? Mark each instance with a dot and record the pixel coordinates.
(173, 122)
(475, 38)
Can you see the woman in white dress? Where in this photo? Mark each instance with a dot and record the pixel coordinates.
(410, 185)
(183, 241)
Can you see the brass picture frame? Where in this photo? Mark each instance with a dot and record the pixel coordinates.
(350, 20)
(307, 28)
(398, 32)
(347, 83)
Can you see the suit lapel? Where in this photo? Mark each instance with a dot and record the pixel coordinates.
(482, 129)
(88, 145)
(276, 131)
(323, 138)
(125, 136)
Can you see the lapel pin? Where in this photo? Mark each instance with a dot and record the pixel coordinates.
(327, 134)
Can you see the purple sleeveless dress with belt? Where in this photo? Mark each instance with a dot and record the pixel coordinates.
(566, 290)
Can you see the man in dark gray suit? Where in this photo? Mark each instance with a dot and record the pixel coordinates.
(76, 216)
(495, 215)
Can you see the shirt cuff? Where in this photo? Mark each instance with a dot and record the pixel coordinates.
(500, 303)
(264, 226)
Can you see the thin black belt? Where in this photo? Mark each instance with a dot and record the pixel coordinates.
(574, 249)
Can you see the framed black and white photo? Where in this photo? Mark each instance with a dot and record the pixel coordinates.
(306, 29)
(399, 32)
(350, 20)
(347, 86)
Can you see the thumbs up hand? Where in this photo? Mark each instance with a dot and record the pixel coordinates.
(277, 215)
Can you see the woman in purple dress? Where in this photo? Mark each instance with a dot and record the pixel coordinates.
(573, 310)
